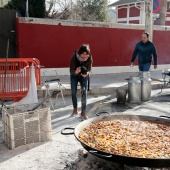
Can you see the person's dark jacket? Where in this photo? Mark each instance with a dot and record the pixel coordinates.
(144, 51)
(75, 63)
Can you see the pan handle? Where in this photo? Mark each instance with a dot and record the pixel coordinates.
(98, 114)
(66, 133)
(165, 117)
(100, 155)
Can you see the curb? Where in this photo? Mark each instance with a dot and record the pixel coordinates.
(108, 90)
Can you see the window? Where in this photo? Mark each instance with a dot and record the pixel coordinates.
(168, 5)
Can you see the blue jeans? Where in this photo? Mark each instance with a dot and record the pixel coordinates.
(83, 83)
(144, 67)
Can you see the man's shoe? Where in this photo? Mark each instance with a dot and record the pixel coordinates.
(74, 113)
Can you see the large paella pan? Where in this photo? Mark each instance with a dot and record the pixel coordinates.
(126, 139)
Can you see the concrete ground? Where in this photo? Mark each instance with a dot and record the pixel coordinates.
(63, 150)
(107, 83)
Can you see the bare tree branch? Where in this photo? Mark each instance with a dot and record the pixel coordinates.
(58, 9)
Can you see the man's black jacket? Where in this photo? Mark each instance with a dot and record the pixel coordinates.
(144, 51)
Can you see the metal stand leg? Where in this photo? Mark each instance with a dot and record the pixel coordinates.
(53, 84)
(61, 96)
(48, 93)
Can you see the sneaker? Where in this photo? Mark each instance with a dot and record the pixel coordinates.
(74, 113)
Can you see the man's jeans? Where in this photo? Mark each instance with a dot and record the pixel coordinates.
(144, 67)
(83, 83)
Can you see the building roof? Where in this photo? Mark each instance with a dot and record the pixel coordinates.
(122, 2)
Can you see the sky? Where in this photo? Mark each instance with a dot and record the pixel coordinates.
(112, 1)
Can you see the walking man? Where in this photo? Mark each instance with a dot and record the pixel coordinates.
(145, 50)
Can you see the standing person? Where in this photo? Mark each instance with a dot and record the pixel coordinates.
(80, 67)
(145, 50)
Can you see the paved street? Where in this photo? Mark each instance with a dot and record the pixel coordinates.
(63, 150)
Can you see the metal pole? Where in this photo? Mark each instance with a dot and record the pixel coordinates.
(71, 10)
(27, 13)
(149, 18)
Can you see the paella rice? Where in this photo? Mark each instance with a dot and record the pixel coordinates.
(133, 138)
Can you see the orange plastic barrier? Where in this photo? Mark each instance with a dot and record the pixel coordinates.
(15, 76)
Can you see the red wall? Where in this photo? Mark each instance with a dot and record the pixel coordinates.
(167, 23)
(53, 45)
(162, 40)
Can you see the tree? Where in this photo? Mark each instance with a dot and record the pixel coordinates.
(60, 9)
(36, 7)
(3, 3)
(162, 13)
(18, 5)
(91, 10)
(86, 10)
